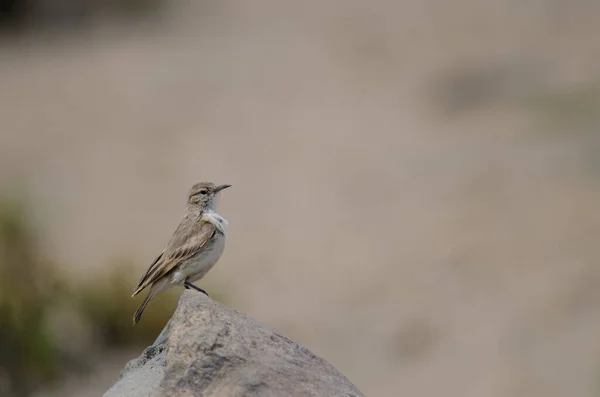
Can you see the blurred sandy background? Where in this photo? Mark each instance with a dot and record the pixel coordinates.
(415, 183)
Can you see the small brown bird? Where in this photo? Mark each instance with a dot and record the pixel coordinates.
(196, 246)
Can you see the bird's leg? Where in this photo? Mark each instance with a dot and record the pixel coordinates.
(189, 285)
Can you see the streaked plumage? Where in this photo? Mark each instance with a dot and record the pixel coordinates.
(196, 246)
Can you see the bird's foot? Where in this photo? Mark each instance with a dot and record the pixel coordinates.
(189, 285)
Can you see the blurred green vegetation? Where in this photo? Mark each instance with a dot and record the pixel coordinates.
(108, 307)
(37, 344)
(570, 109)
(570, 116)
(27, 288)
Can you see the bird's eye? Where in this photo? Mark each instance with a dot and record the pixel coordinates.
(203, 192)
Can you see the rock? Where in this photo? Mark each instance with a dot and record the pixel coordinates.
(208, 349)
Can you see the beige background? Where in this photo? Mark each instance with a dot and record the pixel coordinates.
(406, 200)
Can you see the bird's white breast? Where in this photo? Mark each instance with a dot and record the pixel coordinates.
(196, 267)
(217, 220)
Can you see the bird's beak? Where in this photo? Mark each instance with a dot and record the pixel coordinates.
(219, 188)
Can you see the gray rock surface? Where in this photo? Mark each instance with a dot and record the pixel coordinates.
(208, 349)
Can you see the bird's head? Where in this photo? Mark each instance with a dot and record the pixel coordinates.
(204, 195)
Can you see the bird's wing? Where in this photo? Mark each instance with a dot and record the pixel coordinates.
(184, 245)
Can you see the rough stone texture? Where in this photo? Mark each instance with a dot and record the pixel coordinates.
(208, 349)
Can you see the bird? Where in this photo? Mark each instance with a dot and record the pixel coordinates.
(195, 247)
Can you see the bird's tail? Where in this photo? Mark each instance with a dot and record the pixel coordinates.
(140, 310)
